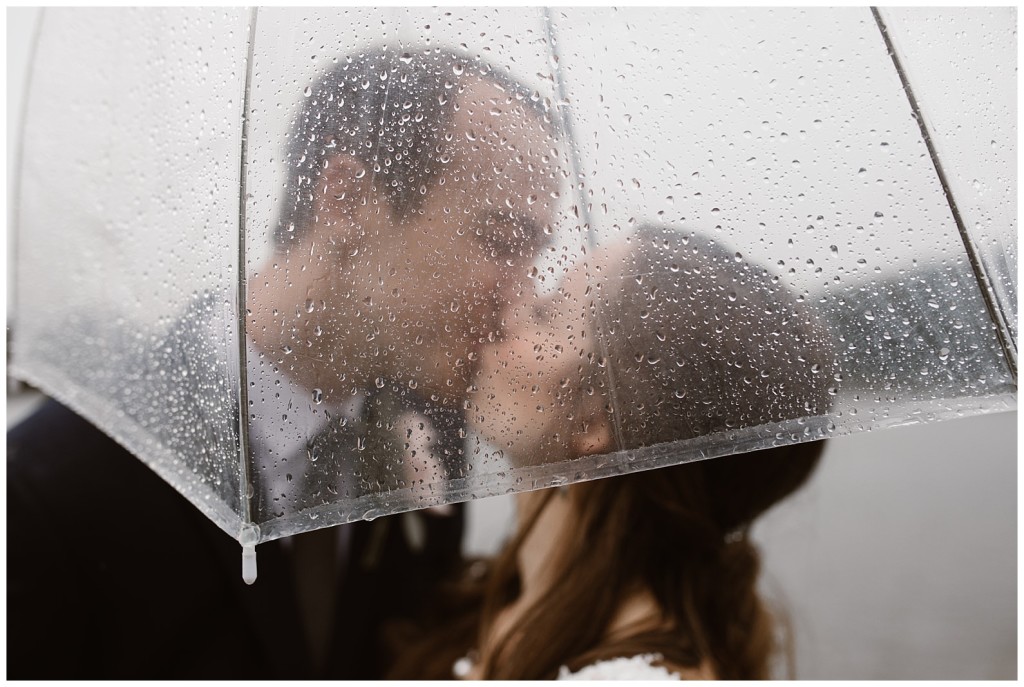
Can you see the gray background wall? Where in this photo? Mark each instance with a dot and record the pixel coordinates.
(897, 561)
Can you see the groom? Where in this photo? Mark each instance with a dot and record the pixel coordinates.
(410, 213)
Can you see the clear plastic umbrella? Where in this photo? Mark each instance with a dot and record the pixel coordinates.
(317, 266)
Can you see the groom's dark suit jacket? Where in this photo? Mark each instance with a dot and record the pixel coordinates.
(112, 574)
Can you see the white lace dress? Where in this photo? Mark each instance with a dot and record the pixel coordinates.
(639, 667)
(626, 668)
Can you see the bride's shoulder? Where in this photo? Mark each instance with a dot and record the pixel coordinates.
(639, 667)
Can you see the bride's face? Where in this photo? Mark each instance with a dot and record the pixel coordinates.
(533, 399)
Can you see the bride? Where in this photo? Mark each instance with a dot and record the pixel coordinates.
(661, 338)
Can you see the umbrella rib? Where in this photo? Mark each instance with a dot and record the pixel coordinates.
(562, 105)
(19, 157)
(243, 384)
(995, 312)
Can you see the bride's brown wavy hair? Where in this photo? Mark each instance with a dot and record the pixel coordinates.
(708, 342)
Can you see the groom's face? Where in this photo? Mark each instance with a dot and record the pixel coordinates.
(444, 275)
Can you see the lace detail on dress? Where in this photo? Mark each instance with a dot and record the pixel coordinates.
(638, 667)
(625, 668)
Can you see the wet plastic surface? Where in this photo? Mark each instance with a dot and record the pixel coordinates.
(485, 252)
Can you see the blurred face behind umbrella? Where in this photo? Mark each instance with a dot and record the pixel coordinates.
(532, 400)
(695, 341)
(414, 298)
(465, 255)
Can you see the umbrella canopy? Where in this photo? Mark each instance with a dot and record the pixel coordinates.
(317, 266)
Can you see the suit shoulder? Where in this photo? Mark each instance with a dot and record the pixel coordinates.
(55, 439)
(61, 465)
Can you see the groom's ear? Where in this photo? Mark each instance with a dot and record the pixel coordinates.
(345, 186)
(596, 434)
